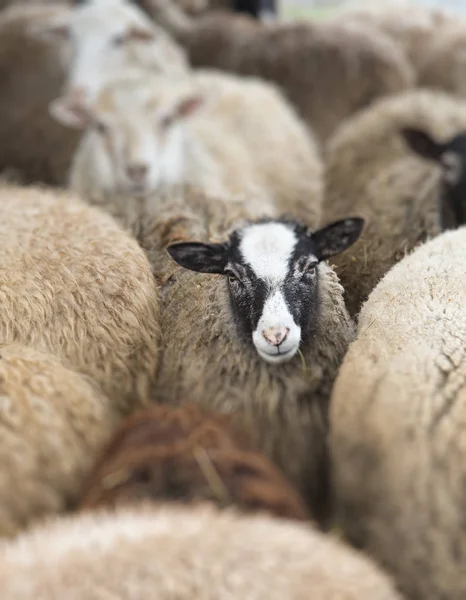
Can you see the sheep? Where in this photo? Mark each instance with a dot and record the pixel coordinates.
(34, 54)
(444, 65)
(187, 455)
(264, 342)
(52, 422)
(396, 419)
(371, 171)
(327, 70)
(73, 284)
(450, 155)
(31, 73)
(184, 552)
(108, 37)
(413, 26)
(145, 136)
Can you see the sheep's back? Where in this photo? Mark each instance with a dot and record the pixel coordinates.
(413, 27)
(171, 552)
(72, 283)
(52, 421)
(397, 421)
(327, 70)
(268, 144)
(444, 65)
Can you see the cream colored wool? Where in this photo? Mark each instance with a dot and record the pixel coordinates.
(371, 172)
(444, 65)
(414, 27)
(205, 360)
(245, 142)
(31, 76)
(398, 417)
(167, 552)
(327, 70)
(72, 283)
(52, 422)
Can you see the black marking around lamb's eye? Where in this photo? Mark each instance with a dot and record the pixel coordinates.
(248, 298)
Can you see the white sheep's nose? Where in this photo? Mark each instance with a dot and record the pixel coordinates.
(275, 335)
(137, 172)
(77, 95)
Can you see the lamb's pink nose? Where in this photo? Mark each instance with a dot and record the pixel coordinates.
(275, 335)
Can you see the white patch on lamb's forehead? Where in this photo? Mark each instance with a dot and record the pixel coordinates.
(267, 248)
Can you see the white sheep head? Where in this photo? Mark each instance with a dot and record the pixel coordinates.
(106, 38)
(135, 134)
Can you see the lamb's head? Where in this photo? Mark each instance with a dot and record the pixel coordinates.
(451, 157)
(133, 136)
(107, 37)
(272, 268)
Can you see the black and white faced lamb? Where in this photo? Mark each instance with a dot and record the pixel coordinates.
(273, 279)
(264, 341)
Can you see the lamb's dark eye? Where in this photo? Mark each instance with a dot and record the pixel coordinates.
(119, 40)
(310, 268)
(232, 278)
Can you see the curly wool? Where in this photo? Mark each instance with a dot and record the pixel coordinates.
(371, 172)
(52, 422)
(397, 422)
(73, 284)
(184, 553)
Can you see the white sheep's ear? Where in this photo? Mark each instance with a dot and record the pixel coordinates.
(422, 143)
(140, 34)
(188, 106)
(69, 113)
(203, 258)
(337, 237)
(183, 110)
(56, 29)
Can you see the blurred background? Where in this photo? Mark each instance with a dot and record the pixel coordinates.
(325, 8)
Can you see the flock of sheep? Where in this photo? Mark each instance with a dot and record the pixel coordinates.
(233, 303)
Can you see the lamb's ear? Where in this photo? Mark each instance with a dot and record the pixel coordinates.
(70, 113)
(337, 237)
(423, 143)
(53, 29)
(203, 258)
